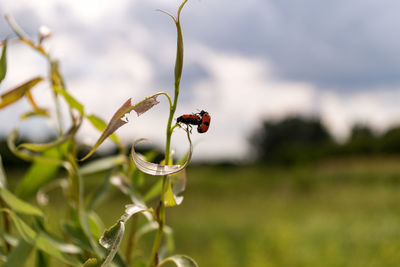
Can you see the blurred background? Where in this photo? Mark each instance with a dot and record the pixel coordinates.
(300, 166)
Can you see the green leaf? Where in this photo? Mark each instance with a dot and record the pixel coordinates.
(71, 101)
(111, 239)
(101, 125)
(153, 226)
(180, 261)
(18, 92)
(119, 119)
(61, 140)
(158, 169)
(55, 76)
(19, 254)
(99, 194)
(3, 178)
(84, 222)
(171, 199)
(19, 205)
(41, 172)
(42, 259)
(76, 234)
(102, 164)
(154, 191)
(93, 262)
(61, 245)
(3, 61)
(39, 241)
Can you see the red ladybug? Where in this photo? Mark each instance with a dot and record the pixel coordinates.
(201, 119)
(189, 119)
(205, 122)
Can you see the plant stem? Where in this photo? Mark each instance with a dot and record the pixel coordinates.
(178, 73)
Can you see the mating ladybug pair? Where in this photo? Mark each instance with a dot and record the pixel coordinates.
(201, 119)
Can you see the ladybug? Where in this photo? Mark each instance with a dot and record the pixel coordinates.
(201, 119)
(189, 119)
(205, 122)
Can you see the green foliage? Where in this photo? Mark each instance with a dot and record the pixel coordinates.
(76, 236)
(290, 140)
(3, 61)
(299, 140)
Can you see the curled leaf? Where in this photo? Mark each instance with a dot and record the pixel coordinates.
(158, 169)
(18, 92)
(120, 117)
(180, 261)
(112, 237)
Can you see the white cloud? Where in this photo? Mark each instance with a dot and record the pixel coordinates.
(377, 108)
(108, 55)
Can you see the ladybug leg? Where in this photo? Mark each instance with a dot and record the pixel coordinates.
(189, 128)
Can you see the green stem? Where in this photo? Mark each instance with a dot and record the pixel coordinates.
(178, 73)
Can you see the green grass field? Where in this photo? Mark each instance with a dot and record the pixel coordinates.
(337, 213)
(334, 213)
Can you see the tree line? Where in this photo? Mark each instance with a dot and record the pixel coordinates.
(297, 139)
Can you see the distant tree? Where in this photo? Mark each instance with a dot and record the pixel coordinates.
(291, 139)
(390, 141)
(362, 140)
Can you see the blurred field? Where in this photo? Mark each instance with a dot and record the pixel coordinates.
(337, 213)
(334, 213)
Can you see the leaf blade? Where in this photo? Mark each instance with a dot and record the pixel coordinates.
(3, 61)
(17, 93)
(19, 205)
(158, 169)
(119, 118)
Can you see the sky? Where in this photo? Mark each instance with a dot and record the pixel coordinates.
(245, 61)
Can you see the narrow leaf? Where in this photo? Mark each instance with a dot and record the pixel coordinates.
(131, 210)
(102, 164)
(120, 118)
(62, 139)
(101, 125)
(111, 239)
(98, 195)
(61, 245)
(36, 109)
(180, 261)
(18, 92)
(153, 226)
(37, 240)
(93, 262)
(55, 76)
(158, 169)
(19, 254)
(19, 205)
(3, 61)
(43, 169)
(3, 179)
(71, 101)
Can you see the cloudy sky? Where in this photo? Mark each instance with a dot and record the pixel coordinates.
(245, 61)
